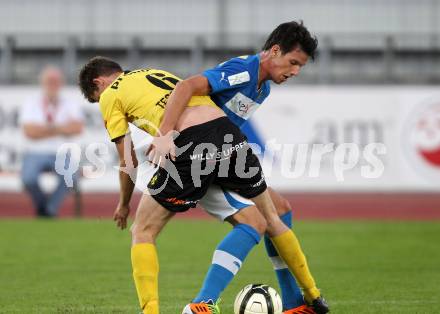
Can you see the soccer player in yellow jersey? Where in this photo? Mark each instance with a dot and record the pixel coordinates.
(209, 150)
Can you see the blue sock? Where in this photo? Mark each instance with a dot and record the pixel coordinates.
(227, 260)
(290, 292)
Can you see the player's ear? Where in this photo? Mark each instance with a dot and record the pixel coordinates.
(275, 50)
(96, 81)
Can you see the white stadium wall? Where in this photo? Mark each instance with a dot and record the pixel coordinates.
(404, 121)
(373, 139)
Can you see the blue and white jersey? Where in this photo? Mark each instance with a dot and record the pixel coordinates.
(234, 87)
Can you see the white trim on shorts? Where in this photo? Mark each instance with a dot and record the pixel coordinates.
(223, 203)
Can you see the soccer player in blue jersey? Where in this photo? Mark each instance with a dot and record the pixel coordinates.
(239, 86)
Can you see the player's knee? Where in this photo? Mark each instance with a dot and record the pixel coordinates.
(249, 216)
(281, 204)
(259, 224)
(283, 207)
(142, 233)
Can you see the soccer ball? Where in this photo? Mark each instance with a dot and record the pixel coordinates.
(258, 299)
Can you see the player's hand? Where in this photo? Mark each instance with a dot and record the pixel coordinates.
(121, 215)
(162, 147)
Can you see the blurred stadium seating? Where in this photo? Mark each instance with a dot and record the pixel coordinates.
(372, 42)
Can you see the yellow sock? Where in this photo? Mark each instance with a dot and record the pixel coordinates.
(290, 251)
(145, 273)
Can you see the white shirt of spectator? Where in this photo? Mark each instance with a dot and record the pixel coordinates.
(36, 111)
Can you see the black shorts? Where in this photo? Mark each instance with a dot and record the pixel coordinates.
(215, 152)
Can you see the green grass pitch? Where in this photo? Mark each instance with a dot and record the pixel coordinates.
(83, 266)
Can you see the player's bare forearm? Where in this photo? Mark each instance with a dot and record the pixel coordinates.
(127, 183)
(127, 178)
(127, 168)
(123, 209)
(197, 85)
(176, 104)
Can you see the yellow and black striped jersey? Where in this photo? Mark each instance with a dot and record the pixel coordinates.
(140, 97)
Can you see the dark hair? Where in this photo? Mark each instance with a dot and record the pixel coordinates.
(291, 35)
(96, 67)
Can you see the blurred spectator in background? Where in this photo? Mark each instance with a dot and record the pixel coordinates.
(47, 121)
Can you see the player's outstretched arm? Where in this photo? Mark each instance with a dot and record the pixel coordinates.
(196, 85)
(127, 178)
(163, 145)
